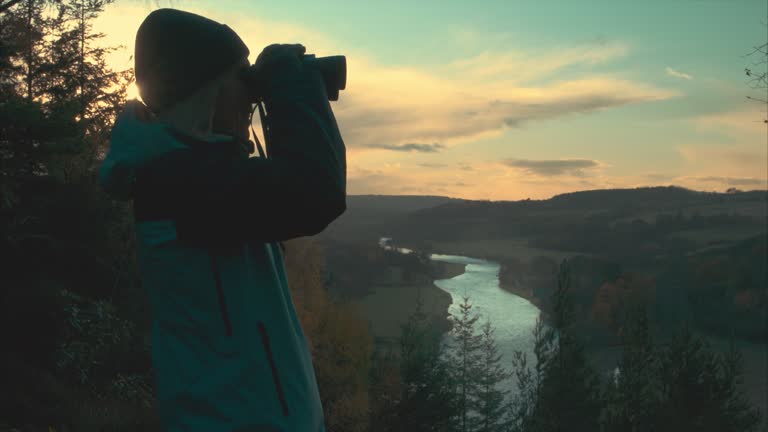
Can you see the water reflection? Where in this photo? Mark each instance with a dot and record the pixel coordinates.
(513, 317)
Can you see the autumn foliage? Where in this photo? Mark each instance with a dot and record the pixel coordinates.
(340, 342)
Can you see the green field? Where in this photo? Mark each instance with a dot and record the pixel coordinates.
(389, 306)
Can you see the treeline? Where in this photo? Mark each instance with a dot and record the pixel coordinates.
(636, 240)
(71, 321)
(720, 293)
(676, 384)
(600, 221)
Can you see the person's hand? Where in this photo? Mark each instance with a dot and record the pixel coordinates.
(284, 54)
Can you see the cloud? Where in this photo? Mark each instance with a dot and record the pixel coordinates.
(742, 123)
(448, 104)
(515, 65)
(365, 181)
(550, 168)
(739, 156)
(735, 181)
(410, 147)
(415, 106)
(567, 104)
(678, 74)
(432, 165)
(657, 177)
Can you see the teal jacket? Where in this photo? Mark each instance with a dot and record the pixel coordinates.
(228, 350)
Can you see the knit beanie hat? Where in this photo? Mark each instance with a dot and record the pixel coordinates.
(179, 52)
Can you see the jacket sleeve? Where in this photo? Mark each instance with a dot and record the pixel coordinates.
(297, 191)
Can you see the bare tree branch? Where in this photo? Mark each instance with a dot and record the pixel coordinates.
(759, 80)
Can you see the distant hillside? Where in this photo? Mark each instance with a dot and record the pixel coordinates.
(397, 203)
(367, 212)
(654, 219)
(657, 198)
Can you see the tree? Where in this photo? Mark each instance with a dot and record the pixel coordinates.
(520, 405)
(758, 79)
(81, 237)
(466, 358)
(338, 338)
(84, 87)
(491, 407)
(427, 399)
(633, 399)
(699, 388)
(568, 390)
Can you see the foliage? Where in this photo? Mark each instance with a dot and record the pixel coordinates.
(679, 385)
(427, 400)
(758, 78)
(567, 389)
(338, 337)
(699, 388)
(466, 357)
(491, 407)
(70, 309)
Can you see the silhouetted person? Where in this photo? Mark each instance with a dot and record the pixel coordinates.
(228, 350)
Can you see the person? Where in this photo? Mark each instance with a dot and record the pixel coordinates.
(228, 351)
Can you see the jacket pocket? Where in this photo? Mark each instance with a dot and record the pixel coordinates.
(220, 293)
(273, 367)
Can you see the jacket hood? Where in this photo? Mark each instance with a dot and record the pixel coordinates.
(136, 139)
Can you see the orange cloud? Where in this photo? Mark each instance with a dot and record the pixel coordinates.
(415, 111)
(392, 106)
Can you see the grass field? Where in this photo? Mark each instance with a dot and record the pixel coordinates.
(389, 306)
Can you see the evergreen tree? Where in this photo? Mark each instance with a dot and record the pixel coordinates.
(491, 407)
(24, 127)
(466, 357)
(699, 388)
(427, 399)
(568, 395)
(53, 227)
(83, 86)
(520, 406)
(633, 400)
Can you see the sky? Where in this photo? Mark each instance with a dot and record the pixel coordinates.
(516, 99)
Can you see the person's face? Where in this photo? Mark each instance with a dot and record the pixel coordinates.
(233, 108)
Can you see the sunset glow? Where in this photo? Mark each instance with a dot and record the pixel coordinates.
(443, 109)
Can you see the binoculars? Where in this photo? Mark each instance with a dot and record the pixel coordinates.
(333, 70)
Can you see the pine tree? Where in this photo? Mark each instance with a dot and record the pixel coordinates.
(466, 357)
(568, 394)
(23, 120)
(427, 399)
(80, 84)
(633, 400)
(491, 407)
(520, 407)
(699, 388)
(67, 225)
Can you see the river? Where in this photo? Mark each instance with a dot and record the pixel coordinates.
(512, 316)
(514, 319)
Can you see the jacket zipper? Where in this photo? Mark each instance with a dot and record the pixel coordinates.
(220, 292)
(273, 367)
